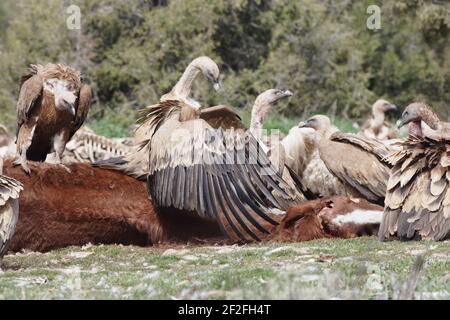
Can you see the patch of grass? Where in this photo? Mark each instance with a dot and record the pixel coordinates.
(362, 268)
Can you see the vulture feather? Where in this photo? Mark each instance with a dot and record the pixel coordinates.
(417, 202)
(356, 161)
(87, 146)
(9, 209)
(53, 103)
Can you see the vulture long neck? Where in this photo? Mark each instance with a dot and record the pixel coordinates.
(378, 119)
(259, 111)
(183, 87)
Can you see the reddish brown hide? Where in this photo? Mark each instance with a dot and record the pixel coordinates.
(326, 218)
(93, 205)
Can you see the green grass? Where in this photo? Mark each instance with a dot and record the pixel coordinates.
(361, 268)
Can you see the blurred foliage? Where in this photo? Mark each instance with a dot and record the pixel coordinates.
(132, 52)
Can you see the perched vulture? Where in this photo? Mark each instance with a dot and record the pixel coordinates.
(356, 161)
(9, 209)
(53, 103)
(376, 127)
(302, 155)
(89, 147)
(417, 204)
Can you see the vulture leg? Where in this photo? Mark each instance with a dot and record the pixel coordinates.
(59, 144)
(24, 138)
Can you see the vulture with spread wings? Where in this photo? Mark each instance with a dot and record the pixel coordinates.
(417, 204)
(53, 103)
(222, 174)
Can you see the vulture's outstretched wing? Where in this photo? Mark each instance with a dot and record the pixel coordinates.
(357, 166)
(9, 193)
(84, 103)
(30, 92)
(418, 195)
(219, 174)
(222, 116)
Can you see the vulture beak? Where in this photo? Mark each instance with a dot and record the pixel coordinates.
(71, 109)
(287, 93)
(400, 123)
(391, 107)
(216, 85)
(303, 124)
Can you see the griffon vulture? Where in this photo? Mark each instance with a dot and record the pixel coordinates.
(376, 127)
(217, 173)
(135, 163)
(417, 204)
(53, 103)
(356, 161)
(302, 156)
(9, 209)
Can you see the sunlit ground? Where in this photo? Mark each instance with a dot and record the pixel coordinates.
(323, 269)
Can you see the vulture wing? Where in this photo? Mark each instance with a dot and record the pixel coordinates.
(357, 167)
(84, 103)
(373, 146)
(417, 201)
(222, 116)
(9, 193)
(30, 92)
(219, 174)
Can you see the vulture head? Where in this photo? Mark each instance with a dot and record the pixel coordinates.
(417, 113)
(209, 69)
(320, 123)
(267, 100)
(382, 106)
(63, 83)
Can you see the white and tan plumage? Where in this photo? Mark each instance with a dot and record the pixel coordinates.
(53, 103)
(417, 204)
(214, 169)
(376, 127)
(89, 147)
(9, 209)
(357, 162)
(135, 163)
(302, 156)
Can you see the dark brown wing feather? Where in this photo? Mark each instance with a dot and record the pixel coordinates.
(84, 103)
(30, 91)
(217, 174)
(222, 116)
(417, 201)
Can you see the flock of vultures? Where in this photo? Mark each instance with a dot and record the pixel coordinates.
(198, 175)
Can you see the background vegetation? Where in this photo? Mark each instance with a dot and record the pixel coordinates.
(133, 51)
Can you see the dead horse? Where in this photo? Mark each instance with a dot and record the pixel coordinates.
(92, 205)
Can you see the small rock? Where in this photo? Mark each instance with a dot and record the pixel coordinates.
(215, 262)
(189, 258)
(277, 250)
(174, 252)
(79, 255)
